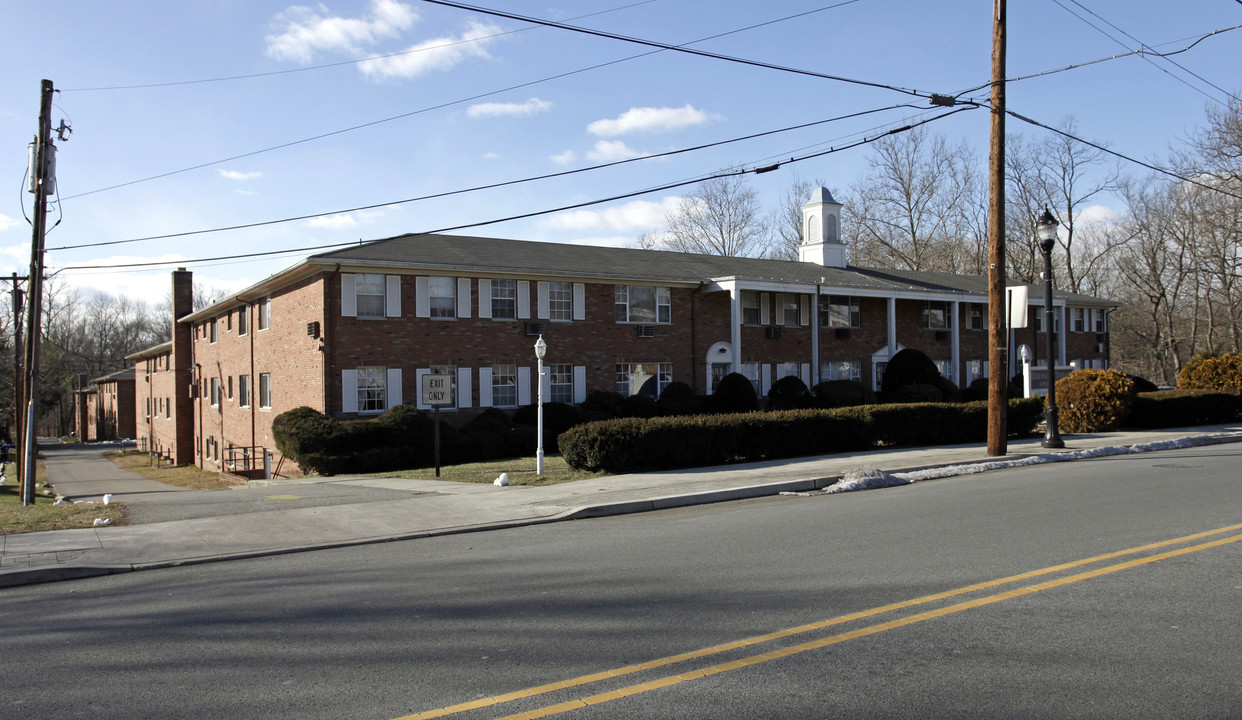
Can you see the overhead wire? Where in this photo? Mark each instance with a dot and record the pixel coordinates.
(548, 211)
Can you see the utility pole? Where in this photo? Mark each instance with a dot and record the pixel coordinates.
(40, 182)
(998, 340)
(19, 405)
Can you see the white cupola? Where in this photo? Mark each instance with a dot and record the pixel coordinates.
(821, 231)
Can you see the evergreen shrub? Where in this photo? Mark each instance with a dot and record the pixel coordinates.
(678, 398)
(735, 394)
(909, 367)
(843, 393)
(789, 393)
(557, 418)
(1221, 373)
(1177, 408)
(1093, 400)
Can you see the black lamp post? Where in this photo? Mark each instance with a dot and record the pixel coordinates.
(1046, 232)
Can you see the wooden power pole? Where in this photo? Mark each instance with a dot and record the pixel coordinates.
(40, 182)
(998, 340)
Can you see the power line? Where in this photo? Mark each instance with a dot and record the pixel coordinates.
(549, 211)
(479, 188)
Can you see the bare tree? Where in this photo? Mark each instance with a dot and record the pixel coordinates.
(720, 216)
(786, 219)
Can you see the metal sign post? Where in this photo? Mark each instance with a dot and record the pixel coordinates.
(437, 391)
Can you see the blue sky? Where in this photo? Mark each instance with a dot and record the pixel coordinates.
(475, 100)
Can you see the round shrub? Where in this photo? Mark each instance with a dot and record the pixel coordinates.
(639, 406)
(302, 430)
(557, 418)
(1221, 373)
(948, 390)
(489, 436)
(789, 393)
(603, 402)
(1093, 400)
(678, 398)
(843, 393)
(915, 393)
(735, 394)
(909, 367)
(1142, 384)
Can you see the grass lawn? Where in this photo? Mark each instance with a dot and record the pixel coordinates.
(187, 476)
(44, 514)
(521, 472)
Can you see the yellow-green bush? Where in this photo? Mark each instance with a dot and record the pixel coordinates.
(1093, 400)
(1222, 373)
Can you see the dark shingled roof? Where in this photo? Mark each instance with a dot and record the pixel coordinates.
(480, 254)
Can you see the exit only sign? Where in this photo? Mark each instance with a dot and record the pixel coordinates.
(437, 390)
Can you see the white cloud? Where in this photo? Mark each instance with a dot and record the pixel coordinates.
(613, 150)
(437, 54)
(1097, 214)
(530, 107)
(7, 222)
(346, 220)
(564, 158)
(491, 156)
(235, 175)
(639, 120)
(306, 30)
(635, 215)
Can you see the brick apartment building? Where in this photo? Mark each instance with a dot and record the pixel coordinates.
(351, 332)
(104, 410)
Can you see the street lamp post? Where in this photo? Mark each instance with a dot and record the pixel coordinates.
(541, 349)
(1046, 232)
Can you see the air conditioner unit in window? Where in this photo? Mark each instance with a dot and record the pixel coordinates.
(646, 331)
(1101, 338)
(942, 335)
(774, 332)
(843, 333)
(534, 328)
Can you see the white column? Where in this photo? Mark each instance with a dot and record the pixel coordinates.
(735, 326)
(892, 326)
(955, 350)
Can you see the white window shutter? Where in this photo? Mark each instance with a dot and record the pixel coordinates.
(523, 385)
(805, 316)
(485, 303)
(422, 297)
(418, 381)
(765, 308)
(544, 303)
(579, 301)
(806, 373)
(765, 378)
(349, 295)
(463, 297)
(579, 384)
(349, 391)
(546, 381)
(523, 303)
(392, 287)
(485, 387)
(395, 396)
(465, 394)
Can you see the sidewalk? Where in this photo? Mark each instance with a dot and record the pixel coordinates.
(443, 508)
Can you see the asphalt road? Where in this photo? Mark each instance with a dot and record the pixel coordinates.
(1052, 629)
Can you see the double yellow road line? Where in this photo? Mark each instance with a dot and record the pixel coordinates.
(668, 680)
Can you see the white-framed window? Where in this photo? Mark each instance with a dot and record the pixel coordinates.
(214, 385)
(560, 301)
(243, 320)
(786, 369)
(243, 391)
(229, 387)
(372, 389)
(504, 299)
(945, 367)
(1039, 320)
(750, 307)
(647, 379)
(976, 369)
(840, 311)
(787, 309)
(213, 330)
(751, 371)
(167, 408)
(504, 386)
(643, 304)
(560, 382)
(937, 315)
(976, 316)
(841, 370)
(265, 313)
(148, 408)
(880, 368)
(442, 296)
(1100, 320)
(1079, 319)
(265, 391)
(370, 290)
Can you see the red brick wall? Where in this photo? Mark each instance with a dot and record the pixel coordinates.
(155, 379)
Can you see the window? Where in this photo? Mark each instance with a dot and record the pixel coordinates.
(265, 313)
(647, 379)
(643, 304)
(561, 380)
(788, 369)
(265, 391)
(1039, 321)
(787, 309)
(230, 387)
(1079, 316)
(1100, 320)
(560, 301)
(215, 392)
(751, 371)
(504, 299)
(243, 320)
(976, 316)
(372, 389)
(167, 408)
(370, 290)
(504, 386)
(212, 329)
(148, 408)
(243, 390)
(442, 296)
(976, 370)
(841, 370)
(751, 308)
(840, 311)
(936, 315)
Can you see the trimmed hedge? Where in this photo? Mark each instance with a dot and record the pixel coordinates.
(1177, 408)
(642, 445)
(1093, 400)
(1221, 373)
